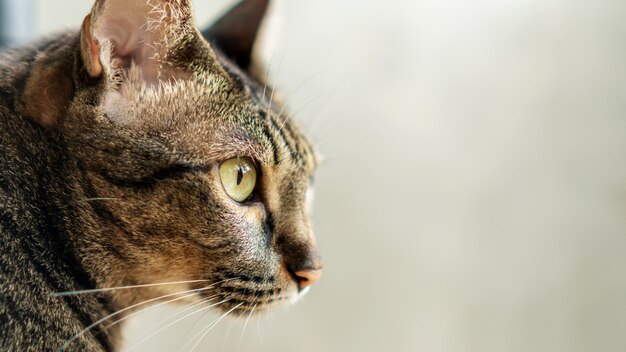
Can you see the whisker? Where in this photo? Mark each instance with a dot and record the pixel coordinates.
(190, 305)
(177, 320)
(270, 314)
(269, 106)
(292, 115)
(151, 307)
(243, 331)
(80, 333)
(80, 292)
(258, 329)
(230, 327)
(269, 70)
(293, 93)
(162, 276)
(212, 326)
(193, 325)
(325, 114)
(304, 106)
(182, 309)
(195, 322)
(96, 199)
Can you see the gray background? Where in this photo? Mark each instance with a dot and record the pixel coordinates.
(473, 196)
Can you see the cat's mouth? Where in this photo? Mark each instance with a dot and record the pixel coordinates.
(247, 297)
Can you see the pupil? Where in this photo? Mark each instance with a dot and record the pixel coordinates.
(239, 175)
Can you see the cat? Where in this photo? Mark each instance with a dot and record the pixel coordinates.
(144, 161)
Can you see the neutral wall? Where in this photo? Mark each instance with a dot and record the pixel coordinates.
(474, 192)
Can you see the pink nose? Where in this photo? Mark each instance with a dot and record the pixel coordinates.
(307, 277)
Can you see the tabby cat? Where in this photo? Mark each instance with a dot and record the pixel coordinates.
(142, 152)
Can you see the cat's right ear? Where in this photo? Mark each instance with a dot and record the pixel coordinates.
(145, 37)
(236, 31)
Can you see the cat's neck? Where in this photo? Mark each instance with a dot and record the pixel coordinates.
(40, 208)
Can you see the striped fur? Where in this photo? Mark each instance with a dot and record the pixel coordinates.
(111, 181)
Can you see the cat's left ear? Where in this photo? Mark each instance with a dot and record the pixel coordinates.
(235, 32)
(49, 88)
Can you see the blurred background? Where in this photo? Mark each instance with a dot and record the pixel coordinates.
(473, 195)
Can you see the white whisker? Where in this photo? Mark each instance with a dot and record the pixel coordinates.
(292, 115)
(210, 327)
(151, 307)
(96, 199)
(80, 333)
(269, 70)
(269, 106)
(80, 292)
(191, 328)
(258, 329)
(243, 331)
(292, 94)
(230, 327)
(190, 305)
(270, 315)
(177, 320)
(323, 115)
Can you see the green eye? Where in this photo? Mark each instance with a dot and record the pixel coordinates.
(238, 177)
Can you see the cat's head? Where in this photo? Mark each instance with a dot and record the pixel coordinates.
(189, 169)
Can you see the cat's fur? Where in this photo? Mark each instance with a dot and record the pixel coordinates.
(109, 151)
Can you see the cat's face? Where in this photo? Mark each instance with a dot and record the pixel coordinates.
(189, 170)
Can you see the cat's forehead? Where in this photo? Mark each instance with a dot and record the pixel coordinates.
(214, 118)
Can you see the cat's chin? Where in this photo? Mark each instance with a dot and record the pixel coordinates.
(297, 296)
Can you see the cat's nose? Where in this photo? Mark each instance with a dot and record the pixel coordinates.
(307, 277)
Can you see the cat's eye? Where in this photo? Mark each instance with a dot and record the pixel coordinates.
(238, 177)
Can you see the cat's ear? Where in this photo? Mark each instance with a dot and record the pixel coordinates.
(118, 34)
(236, 31)
(48, 89)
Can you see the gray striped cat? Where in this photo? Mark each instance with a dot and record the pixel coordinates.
(142, 161)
